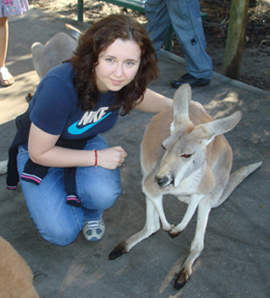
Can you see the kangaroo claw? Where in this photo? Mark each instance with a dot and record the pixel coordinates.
(118, 251)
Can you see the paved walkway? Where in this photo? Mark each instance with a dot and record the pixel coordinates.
(235, 261)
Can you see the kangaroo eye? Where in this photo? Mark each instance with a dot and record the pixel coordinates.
(163, 148)
(186, 155)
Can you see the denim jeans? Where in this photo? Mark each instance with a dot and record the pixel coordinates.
(185, 18)
(56, 221)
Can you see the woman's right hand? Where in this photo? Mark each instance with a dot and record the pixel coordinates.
(111, 158)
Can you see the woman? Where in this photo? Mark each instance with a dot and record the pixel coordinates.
(73, 104)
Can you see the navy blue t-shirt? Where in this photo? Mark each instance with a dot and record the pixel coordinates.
(55, 110)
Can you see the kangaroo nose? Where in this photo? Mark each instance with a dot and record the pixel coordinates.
(163, 181)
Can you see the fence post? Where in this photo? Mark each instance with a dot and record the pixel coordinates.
(80, 10)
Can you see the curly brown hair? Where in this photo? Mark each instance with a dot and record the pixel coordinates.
(97, 39)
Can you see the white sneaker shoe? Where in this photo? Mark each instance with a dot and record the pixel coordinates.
(94, 230)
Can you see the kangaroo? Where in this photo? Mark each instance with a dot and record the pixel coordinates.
(183, 153)
(58, 49)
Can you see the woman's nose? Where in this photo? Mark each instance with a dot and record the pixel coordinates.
(118, 70)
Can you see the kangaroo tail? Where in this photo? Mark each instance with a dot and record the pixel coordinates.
(235, 179)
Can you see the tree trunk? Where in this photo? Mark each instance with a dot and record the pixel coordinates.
(235, 38)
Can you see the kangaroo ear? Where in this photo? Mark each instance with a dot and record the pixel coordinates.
(181, 102)
(208, 131)
(74, 32)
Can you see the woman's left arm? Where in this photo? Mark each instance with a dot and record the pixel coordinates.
(154, 102)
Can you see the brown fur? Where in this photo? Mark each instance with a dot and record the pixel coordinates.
(16, 277)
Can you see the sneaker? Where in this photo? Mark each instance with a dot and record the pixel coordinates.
(94, 230)
(189, 79)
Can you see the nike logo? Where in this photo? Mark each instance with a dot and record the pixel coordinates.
(74, 130)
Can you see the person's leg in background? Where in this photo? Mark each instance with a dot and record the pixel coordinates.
(158, 22)
(6, 79)
(187, 25)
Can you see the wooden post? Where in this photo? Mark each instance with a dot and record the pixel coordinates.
(235, 38)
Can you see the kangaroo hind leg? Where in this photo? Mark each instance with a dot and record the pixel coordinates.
(197, 246)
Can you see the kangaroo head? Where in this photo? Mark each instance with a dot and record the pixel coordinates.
(184, 151)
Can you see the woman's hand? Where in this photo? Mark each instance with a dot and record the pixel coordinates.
(198, 105)
(111, 158)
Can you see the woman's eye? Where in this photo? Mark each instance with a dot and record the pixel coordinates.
(186, 155)
(109, 59)
(130, 63)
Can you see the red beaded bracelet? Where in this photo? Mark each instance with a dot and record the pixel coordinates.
(96, 157)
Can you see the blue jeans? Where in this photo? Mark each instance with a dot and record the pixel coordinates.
(56, 221)
(185, 18)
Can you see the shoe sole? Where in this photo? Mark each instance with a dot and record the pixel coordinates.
(204, 82)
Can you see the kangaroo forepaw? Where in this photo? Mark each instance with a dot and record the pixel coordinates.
(118, 251)
(181, 279)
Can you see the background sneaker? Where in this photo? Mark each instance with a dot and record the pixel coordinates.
(189, 79)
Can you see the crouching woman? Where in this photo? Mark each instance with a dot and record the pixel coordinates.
(68, 173)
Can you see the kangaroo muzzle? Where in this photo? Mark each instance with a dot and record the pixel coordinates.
(164, 181)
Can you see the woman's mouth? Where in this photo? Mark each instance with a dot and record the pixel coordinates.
(116, 82)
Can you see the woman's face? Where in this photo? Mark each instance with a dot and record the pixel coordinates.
(117, 65)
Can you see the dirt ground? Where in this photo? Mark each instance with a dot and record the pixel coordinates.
(255, 66)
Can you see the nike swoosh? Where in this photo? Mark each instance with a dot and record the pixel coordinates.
(74, 130)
